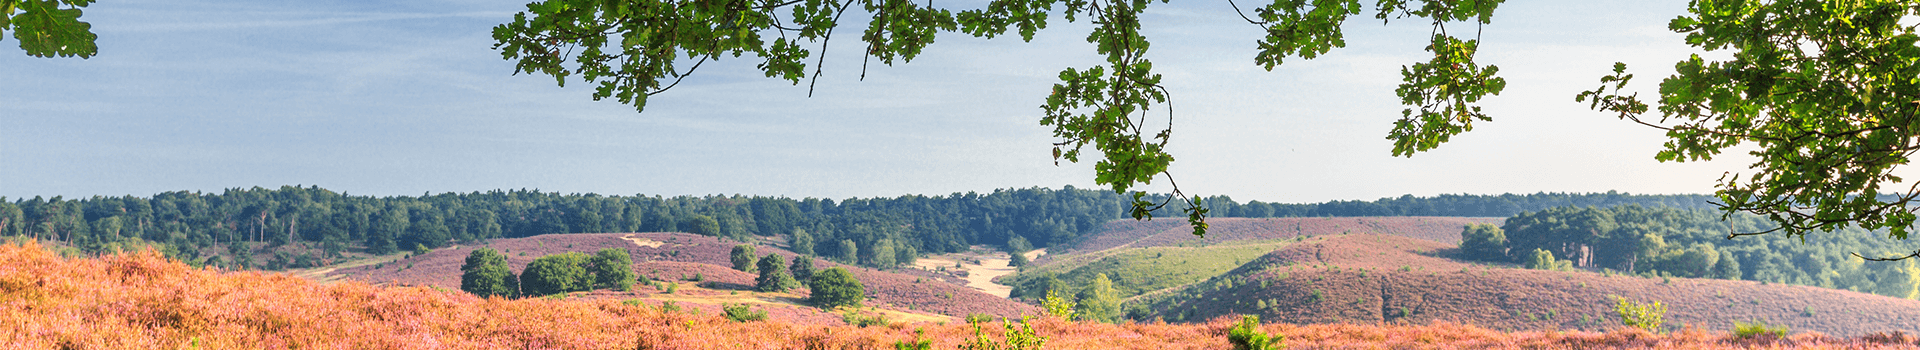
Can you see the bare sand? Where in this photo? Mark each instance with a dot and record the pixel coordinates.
(993, 264)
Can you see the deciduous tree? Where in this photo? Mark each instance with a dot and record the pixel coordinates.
(486, 274)
(836, 287)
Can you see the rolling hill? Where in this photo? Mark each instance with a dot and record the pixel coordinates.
(1391, 279)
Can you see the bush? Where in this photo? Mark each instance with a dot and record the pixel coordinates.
(1483, 242)
(486, 274)
(1058, 305)
(802, 268)
(742, 313)
(836, 287)
(1247, 336)
(555, 274)
(743, 258)
(1015, 338)
(855, 318)
(1643, 316)
(773, 275)
(612, 268)
(1757, 329)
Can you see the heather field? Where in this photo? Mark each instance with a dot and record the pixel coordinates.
(683, 257)
(1171, 232)
(143, 301)
(1393, 279)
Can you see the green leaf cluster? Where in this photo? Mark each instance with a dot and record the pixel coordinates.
(835, 287)
(48, 28)
(486, 274)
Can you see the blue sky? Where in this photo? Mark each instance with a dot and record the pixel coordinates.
(402, 98)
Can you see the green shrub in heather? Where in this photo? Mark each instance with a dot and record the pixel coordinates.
(773, 275)
(612, 268)
(802, 268)
(486, 274)
(743, 258)
(555, 274)
(836, 287)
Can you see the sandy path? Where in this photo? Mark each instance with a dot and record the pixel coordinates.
(980, 276)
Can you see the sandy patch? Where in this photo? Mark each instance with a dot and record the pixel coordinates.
(980, 276)
(642, 241)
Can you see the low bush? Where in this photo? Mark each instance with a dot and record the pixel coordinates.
(1756, 329)
(743, 313)
(1247, 336)
(1647, 316)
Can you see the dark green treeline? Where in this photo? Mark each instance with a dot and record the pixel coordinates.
(241, 223)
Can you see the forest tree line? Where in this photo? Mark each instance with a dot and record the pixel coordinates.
(295, 226)
(1674, 242)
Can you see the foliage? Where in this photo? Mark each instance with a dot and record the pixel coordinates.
(743, 258)
(835, 287)
(1541, 259)
(1020, 337)
(920, 342)
(1098, 302)
(802, 242)
(802, 268)
(773, 275)
(1018, 260)
(1058, 304)
(486, 274)
(1483, 242)
(1137, 271)
(556, 274)
(1822, 89)
(1694, 243)
(1647, 316)
(704, 225)
(1757, 329)
(48, 28)
(742, 313)
(612, 268)
(860, 319)
(1247, 336)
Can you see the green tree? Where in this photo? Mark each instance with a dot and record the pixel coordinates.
(743, 258)
(612, 268)
(48, 28)
(1483, 242)
(555, 274)
(1821, 88)
(836, 287)
(1541, 259)
(1099, 302)
(1899, 280)
(1018, 260)
(486, 274)
(802, 268)
(802, 242)
(849, 252)
(702, 225)
(883, 254)
(774, 276)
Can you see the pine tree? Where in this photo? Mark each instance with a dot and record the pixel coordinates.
(743, 258)
(773, 275)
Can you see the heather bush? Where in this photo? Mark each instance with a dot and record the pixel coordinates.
(859, 319)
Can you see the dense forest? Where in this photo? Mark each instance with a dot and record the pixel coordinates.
(296, 226)
(1655, 241)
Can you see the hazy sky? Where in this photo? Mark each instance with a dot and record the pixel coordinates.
(406, 97)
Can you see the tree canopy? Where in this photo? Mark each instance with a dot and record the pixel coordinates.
(48, 28)
(486, 274)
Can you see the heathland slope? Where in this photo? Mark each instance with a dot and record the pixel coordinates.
(1391, 279)
(687, 257)
(144, 301)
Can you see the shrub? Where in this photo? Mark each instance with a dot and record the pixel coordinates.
(1644, 316)
(486, 274)
(773, 275)
(978, 318)
(836, 287)
(920, 341)
(612, 268)
(1757, 329)
(1019, 337)
(802, 268)
(1483, 242)
(1247, 335)
(555, 274)
(742, 313)
(743, 258)
(1058, 305)
(855, 318)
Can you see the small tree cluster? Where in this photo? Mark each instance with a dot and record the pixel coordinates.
(609, 268)
(802, 268)
(743, 258)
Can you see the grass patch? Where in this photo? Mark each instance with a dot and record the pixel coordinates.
(1142, 270)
